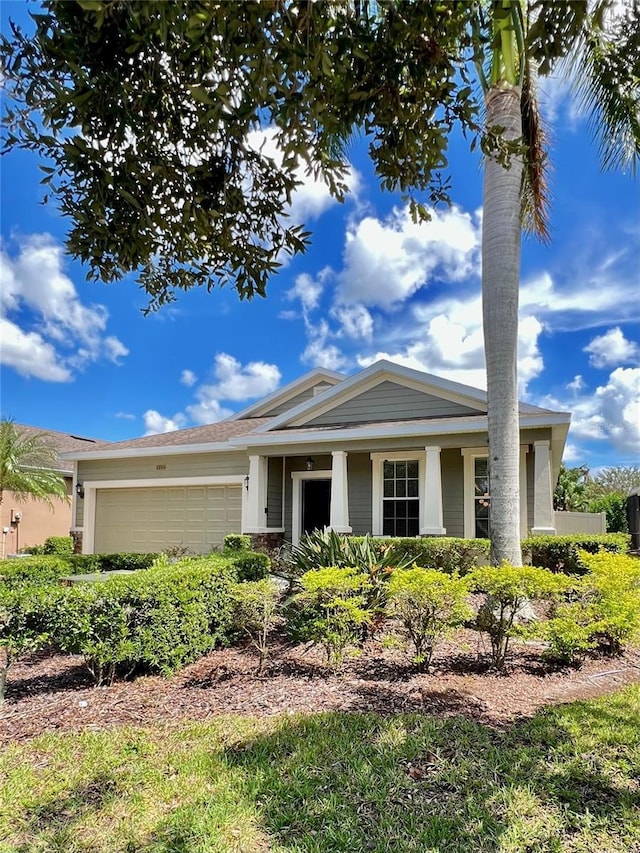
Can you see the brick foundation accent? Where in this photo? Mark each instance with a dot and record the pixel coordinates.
(266, 542)
(76, 535)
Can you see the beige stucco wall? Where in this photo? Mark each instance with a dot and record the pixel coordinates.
(38, 520)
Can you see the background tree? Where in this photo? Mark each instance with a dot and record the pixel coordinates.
(28, 465)
(621, 479)
(150, 113)
(570, 494)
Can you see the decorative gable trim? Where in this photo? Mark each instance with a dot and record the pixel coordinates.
(372, 376)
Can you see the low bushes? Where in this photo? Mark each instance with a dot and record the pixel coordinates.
(446, 554)
(156, 620)
(251, 565)
(42, 569)
(562, 553)
(59, 545)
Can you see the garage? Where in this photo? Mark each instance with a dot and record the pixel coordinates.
(155, 518)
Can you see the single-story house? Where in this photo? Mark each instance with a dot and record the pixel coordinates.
(388, 451)
(30, 521)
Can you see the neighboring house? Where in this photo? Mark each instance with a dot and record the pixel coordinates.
(389, 451)
(30, 522)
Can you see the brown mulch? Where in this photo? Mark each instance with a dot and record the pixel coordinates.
(54, 693)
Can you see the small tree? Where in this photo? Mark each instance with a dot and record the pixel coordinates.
(28, 465)
(255, 613)
(570, 493)
(428, 604)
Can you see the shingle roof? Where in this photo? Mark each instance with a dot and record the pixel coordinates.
(64, 442)
(210, 433)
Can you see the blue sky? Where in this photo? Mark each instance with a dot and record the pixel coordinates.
(80, 357)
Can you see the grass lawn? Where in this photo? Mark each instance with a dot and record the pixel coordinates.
(567, 780)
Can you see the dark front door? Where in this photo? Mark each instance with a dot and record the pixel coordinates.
(316, 499)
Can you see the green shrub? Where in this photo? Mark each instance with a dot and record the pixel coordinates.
(58, 545)
(125, 562)
(34, 570)
(444, 553)
(613, 588)
(34, 550)
(156, 620)
(509, 589)
(614, 505)
(428, 605)
(83, 564)
(561, 553)
(25, 623)
(330, 610)
(251, 565)
(569, 631)
(236, 542)
(255, 613)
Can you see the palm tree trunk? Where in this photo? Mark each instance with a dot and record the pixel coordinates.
(501, 232)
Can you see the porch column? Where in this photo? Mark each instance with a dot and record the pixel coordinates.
(543, 519)
(524, 518)
(339, 513)
(431, 521)
(254, 516)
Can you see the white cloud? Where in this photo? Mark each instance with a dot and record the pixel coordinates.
(156, 423)
(235, 382)
(30, 355)
(355, 321)
(611, 349)
(576, 384)
(54, 332)
(125, 416)
(572, 453)
(611, 414)
(188, 378)
(308, 290)
(387, 262)
(320, 353)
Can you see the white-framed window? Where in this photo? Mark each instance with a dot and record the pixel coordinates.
(477, 492)
(397, 493)
(400, 497)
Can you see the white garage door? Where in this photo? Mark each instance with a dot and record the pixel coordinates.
(152, 519)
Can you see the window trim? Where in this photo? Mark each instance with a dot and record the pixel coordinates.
(470, 454)
(377, 490)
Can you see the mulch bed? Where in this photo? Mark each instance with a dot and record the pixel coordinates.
(54, 693)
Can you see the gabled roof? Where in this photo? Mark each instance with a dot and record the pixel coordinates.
(381, 371)
(289, 392)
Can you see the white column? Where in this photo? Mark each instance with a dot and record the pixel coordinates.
(543, 520)
(524, 516)
(431, 521)
(339, 514)
(255, 508)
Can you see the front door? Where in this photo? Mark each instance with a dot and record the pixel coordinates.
(316, 501)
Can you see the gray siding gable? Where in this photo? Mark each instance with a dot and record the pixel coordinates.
(391, 401)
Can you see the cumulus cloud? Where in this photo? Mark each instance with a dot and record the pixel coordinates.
(308, 290)
(233, 382)
(188, 378)
(47, 331)
(319, 352)
(611, 349)
(576, 384)
(610, 414)
(156, 423)
(386, 262)
(354, 321)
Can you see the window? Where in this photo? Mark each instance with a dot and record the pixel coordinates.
(400, 498)
(482, 497)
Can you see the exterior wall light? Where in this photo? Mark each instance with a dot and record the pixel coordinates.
(309, 463)
(246, 482)
(79, 490)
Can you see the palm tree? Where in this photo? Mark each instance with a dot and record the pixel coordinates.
(28, 465)
(527, 39)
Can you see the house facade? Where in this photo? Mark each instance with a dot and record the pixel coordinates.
(389, 451)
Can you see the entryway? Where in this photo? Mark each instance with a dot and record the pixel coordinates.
(316, 501)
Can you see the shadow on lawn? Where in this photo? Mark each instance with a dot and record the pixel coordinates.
(339, 782)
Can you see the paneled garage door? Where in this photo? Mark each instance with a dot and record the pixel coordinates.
(152, 519)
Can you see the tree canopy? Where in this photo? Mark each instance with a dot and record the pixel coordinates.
(151, 118)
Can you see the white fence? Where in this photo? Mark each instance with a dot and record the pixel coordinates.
(580, 522)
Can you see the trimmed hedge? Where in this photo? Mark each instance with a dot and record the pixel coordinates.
(251, 565)
(237, 542)
(561, 553)
(443, 553)
(59, 545)
(42, 569)
(154, 621)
